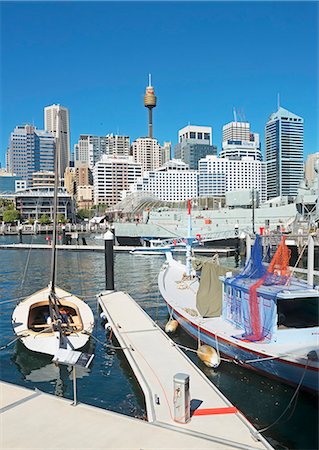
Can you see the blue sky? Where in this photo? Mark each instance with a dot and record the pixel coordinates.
(205, 59)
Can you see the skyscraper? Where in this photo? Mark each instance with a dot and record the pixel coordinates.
(284, 153)
(194, 143)
(50, 122)
(147, 152)
(239, 142)
(30, 150)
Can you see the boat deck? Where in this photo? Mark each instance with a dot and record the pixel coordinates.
(155, 360)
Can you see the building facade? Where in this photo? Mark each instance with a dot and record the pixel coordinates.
(30, 150)
(284, 153)
(311, 165)
(43, 179)
(194, 143)
(220, 175)
(173, 182)
(112, 176)
(239, 142)
(32, 203)
(10, 183)
(50, 125)
(147, 152)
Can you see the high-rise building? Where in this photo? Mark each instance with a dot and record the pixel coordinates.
(50, 124)
(311, 164)
(166, 152)
(194, 143)
(10, 183)
(171, 182)
(43, 179)
(90, 148)
(117, 145)
(236, 131)
(220, 175)
(147, 152)
(239, 141)
(112, 176)
(284, 153)
(30, 150)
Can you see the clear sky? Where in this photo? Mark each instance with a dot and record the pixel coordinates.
(205, 59)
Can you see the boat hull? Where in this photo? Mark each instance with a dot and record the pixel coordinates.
(286, 371)
(48, 341)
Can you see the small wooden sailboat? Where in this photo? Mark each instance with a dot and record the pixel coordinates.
(264, 319)
(52, 318)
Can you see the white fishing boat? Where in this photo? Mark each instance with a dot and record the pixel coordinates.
(53, 319)
(264, 318)
(157, 247)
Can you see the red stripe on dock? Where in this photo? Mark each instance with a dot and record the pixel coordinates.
(210, 411)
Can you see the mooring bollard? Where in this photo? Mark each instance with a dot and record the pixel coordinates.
(181, 398)
(109, 260)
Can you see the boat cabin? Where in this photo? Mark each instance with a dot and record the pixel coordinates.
(275, 307)
(39, 314)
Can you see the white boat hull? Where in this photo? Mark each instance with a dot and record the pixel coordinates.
(286, 361)
(49, 341)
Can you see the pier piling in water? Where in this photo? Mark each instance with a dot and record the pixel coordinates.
(109, 260)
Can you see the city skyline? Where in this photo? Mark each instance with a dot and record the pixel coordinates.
(203, 65)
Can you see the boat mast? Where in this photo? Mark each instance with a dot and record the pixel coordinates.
(55, 202)
(189, 241)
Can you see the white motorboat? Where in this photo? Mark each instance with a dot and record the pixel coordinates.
(264, 319)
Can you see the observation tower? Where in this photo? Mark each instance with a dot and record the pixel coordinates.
(150, 103)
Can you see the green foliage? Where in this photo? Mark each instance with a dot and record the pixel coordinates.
(83, 214)
(44, 220)
(31, 221)
(10, 215)
(61, 218)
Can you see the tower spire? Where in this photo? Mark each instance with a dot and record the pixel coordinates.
(278, 100)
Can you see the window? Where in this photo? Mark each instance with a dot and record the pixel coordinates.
(192, 135)
(207, 136)
(199, 135)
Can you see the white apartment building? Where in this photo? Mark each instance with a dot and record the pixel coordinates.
(50, 124)
(117, 145)
(236, 131)
(166, 152)
(198, 133)
(90, 148)
(220, 175)
(173, 182)
(111, 176)
(147, 152)
(241, 149)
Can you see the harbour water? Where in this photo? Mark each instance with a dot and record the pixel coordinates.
(110, 383)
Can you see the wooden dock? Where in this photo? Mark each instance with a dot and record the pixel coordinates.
(155, 359)
(117, 248)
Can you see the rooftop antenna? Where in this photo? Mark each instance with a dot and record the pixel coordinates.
(235, 115)
(150, 79)
(278, 100)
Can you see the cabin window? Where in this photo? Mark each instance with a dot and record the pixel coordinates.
(298, 312)
(238, 294)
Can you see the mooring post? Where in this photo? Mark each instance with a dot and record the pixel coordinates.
(20, 234)
(63, 235)
(109, 260)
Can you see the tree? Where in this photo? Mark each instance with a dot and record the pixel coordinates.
(44, 220)
(83, 214)
(61, 218)
(10, 215)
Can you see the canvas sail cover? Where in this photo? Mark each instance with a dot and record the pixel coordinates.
(210, 291)
(255, 311)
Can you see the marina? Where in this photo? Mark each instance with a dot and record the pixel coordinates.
(110, 383)
(148, 350)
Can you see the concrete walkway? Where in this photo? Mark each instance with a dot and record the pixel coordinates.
(34, 420)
